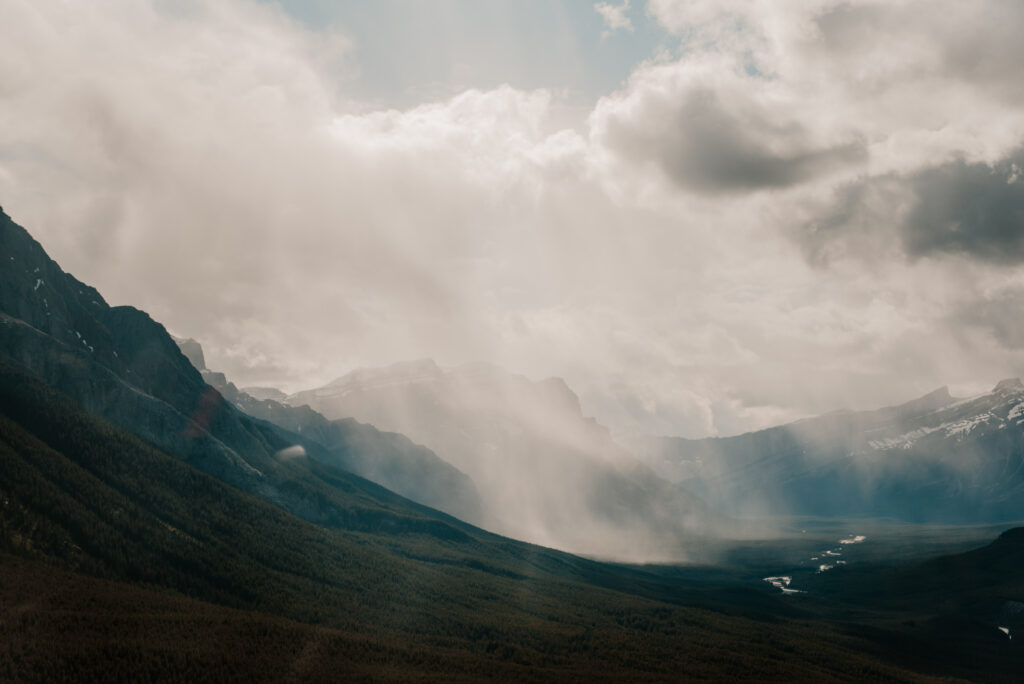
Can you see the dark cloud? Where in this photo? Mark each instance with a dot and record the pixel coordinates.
(971, 209)
(703, 144)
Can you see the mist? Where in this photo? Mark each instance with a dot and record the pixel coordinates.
(545, 473)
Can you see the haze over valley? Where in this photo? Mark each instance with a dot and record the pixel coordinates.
(639, 340)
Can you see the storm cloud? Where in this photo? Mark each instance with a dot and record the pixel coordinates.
(780, 209)
(707, 144)
(974, 210)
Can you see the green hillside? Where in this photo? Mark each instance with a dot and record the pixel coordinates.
(420, 598)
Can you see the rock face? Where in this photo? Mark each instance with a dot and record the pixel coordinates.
(934, 459)
(545, 473)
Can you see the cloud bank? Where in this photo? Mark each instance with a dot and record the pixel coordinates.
(786, 209)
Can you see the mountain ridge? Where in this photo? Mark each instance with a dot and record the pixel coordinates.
(934, 458)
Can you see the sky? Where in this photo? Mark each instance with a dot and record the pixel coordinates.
(708, 217)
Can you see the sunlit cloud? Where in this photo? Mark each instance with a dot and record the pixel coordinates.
(615, 17)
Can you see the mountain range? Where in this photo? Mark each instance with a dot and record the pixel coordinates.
(153, 527)
(935, 459)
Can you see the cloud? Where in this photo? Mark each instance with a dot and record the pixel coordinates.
(763, 96)
(291, 453)
(999, 315)
(974, 210)
(615, 17)
(857, 221)
(884, 43)
(711, 130)
(719, 244)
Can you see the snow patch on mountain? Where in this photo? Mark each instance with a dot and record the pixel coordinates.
(962, 428)
(904, 441)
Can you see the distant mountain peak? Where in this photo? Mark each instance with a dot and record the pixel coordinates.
(192, 350)
(1009, 385)
(932, 401)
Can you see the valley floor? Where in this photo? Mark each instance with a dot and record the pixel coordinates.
(59, 626)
